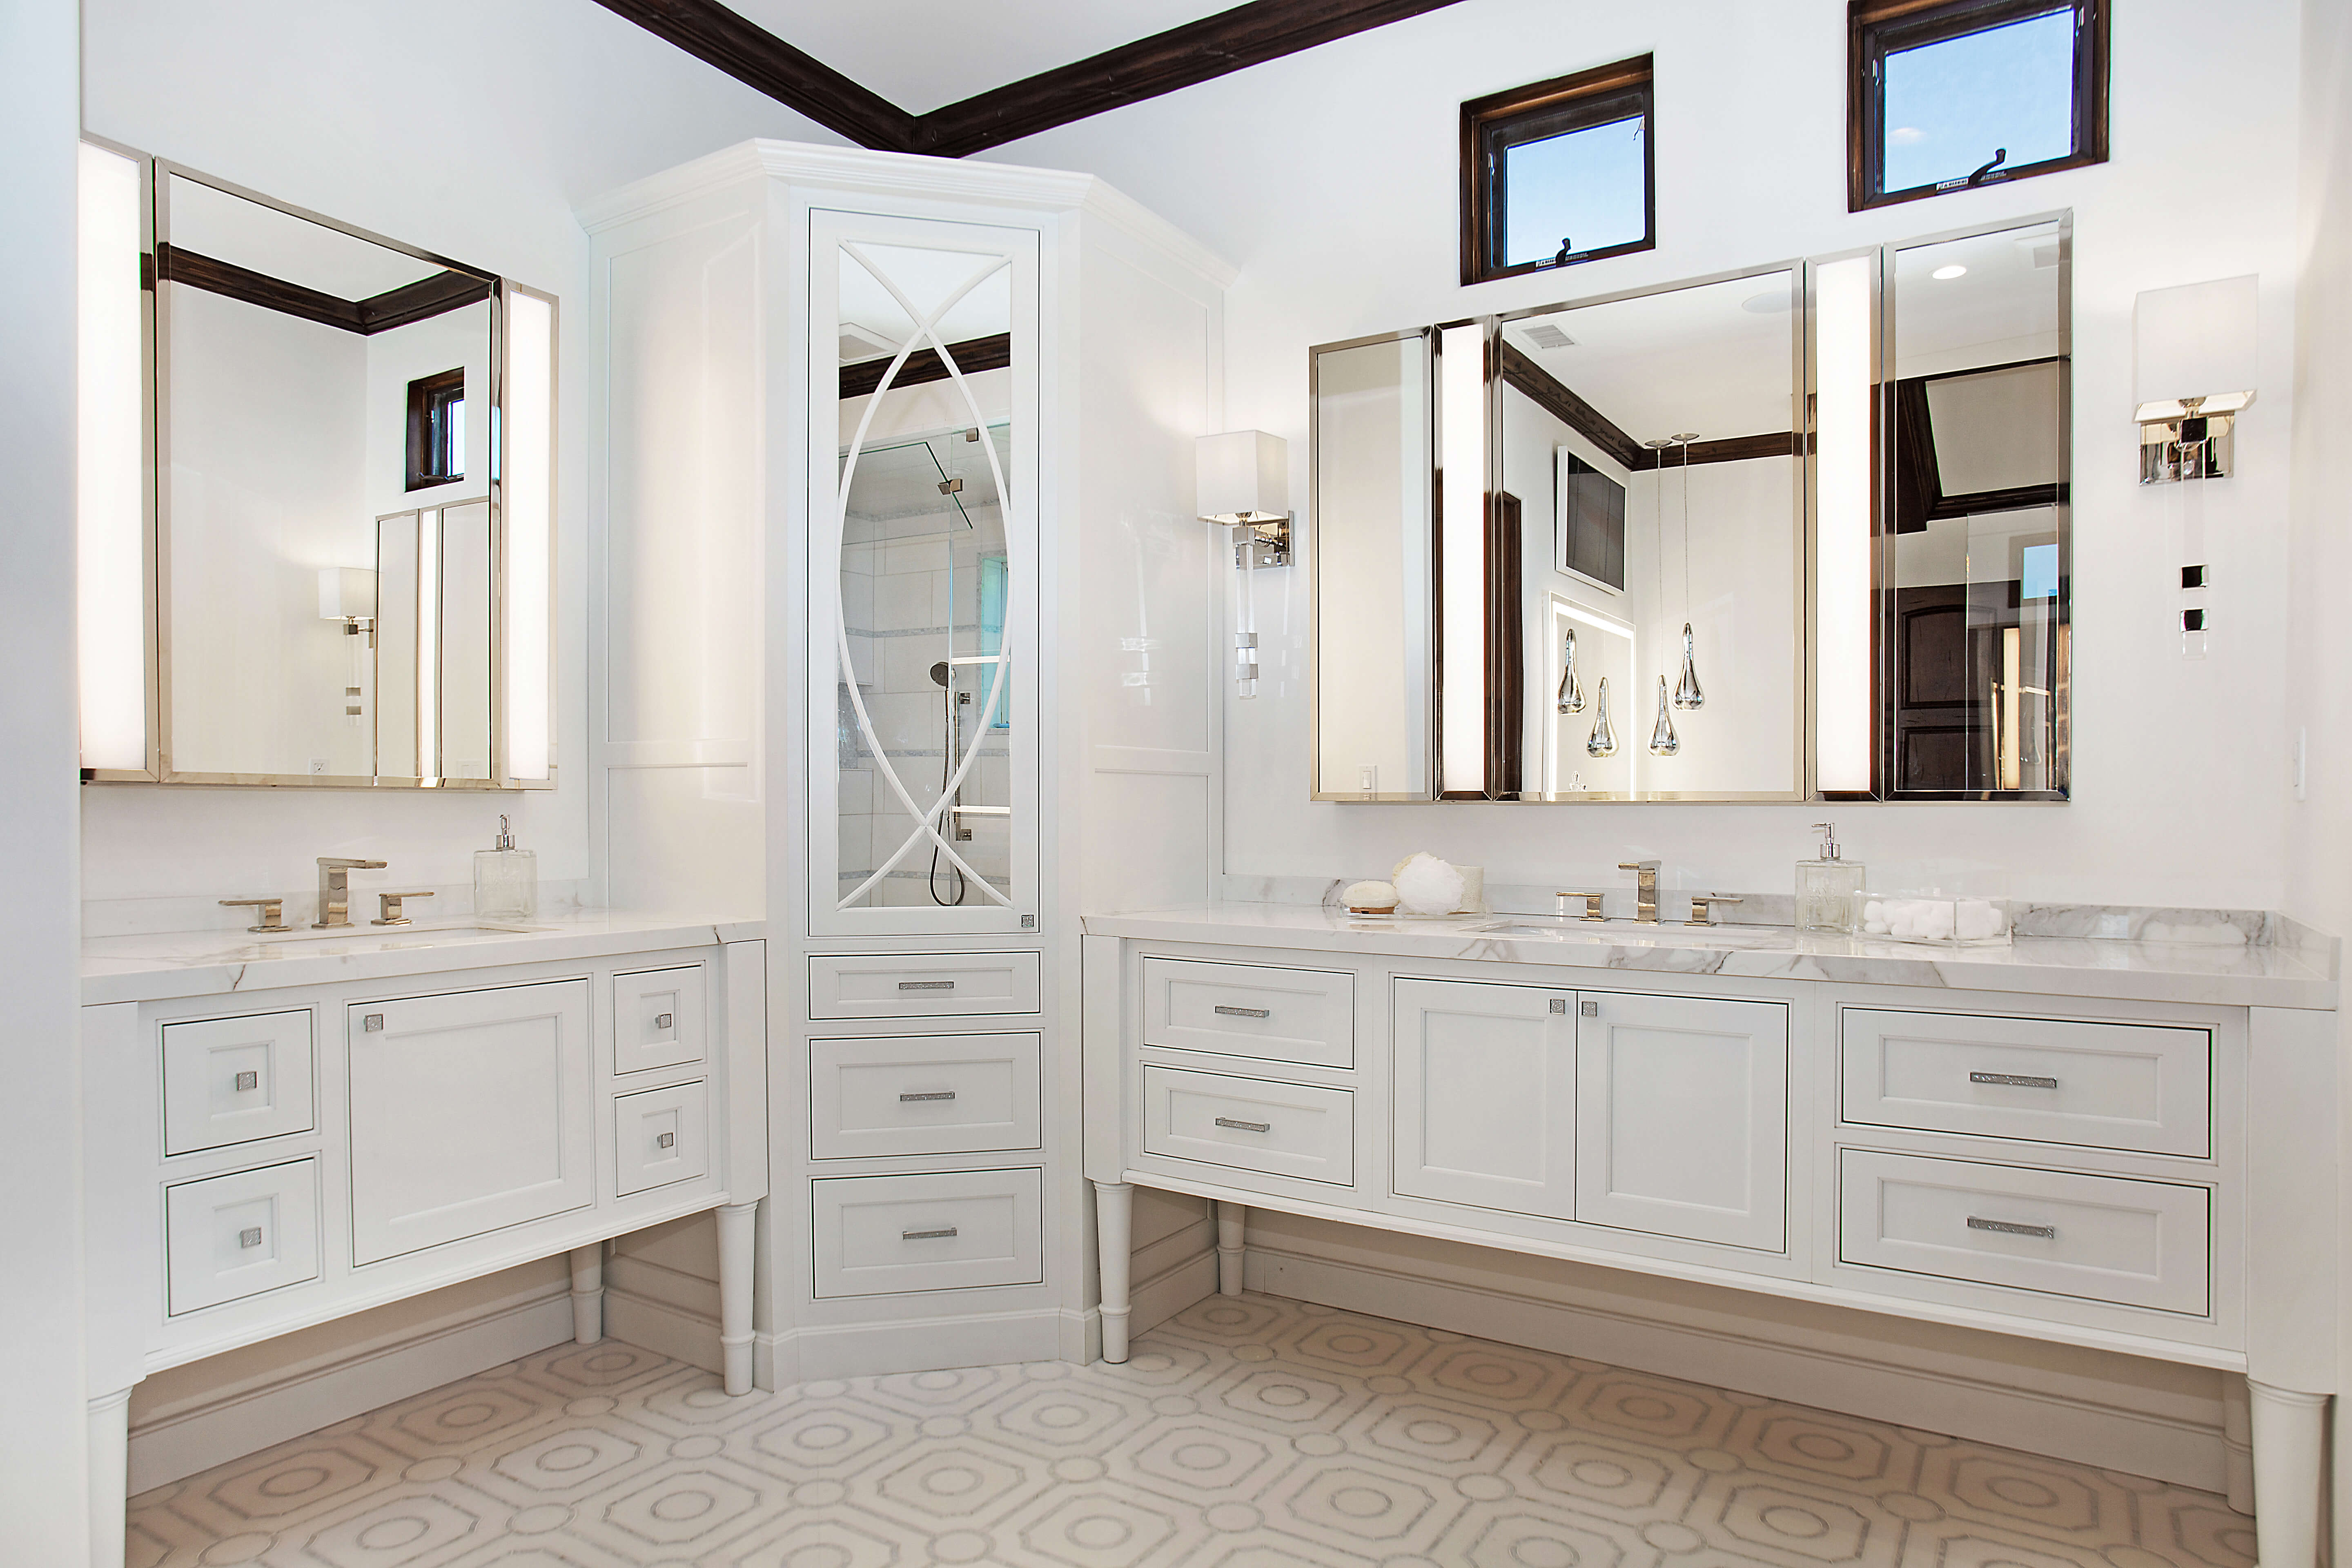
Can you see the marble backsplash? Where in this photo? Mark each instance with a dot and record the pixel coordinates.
(2122, 922)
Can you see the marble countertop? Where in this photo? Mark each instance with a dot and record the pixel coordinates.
(2234, 975)
(219, 963)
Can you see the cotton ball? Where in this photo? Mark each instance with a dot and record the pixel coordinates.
(1371, 899)
(1428, 886)
(1935, 920)
(1873, 914)
(1978, 919)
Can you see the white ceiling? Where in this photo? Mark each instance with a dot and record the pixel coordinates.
(923, 54)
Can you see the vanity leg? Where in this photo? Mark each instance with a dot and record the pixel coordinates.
(2237, 1447)
(110, 1477)
(735, 1276)
(2289, 1428)
(1231, 1219)
(1114, 1230)
(588, 1293)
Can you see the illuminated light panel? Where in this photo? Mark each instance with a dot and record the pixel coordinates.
(111, 508)
(1842, 359)
(526, 461)
(1462, 550)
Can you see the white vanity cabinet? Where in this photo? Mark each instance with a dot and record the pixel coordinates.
(2072, 1158)
(267, 1155)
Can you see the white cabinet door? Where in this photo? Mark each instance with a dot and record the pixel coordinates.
(1485, 1095)
(1682, 1120)
(469, 1112)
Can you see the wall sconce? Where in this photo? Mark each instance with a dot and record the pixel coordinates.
(1242, 480)
(114, 584)
(2199, 335)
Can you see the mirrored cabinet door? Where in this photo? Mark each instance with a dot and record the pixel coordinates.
(923, 579)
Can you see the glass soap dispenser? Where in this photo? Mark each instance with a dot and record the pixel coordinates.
(1829, 886)
(505, 880)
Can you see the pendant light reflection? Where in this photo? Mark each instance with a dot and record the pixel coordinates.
(1663, 742)
(1602, 741)
(1571, 691)
(1687, 691)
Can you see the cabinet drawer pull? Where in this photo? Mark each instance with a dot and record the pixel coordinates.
(941, 1235)
(2011, 1228)
(667, 1141)
(372, 1022)
(1246, 1012)
(245, 1080)
(249, 1236)
(927, 1094)
(664, 1020)
(1245, 1126)
(927, 985)
(2015, 1079)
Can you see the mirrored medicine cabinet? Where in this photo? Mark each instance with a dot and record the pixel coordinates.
(317, 498)
(1784, 532)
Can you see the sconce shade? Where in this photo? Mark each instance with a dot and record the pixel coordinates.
(1242, 476)
(346, 594)
(2196, 341)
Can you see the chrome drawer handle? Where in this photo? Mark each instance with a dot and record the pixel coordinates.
(927, 985)
(2011, 1228)
(372, 1022)
(1245, 1126)
(1246, 1012)
(249, 1236)
(2015, 1079)
(245, 1080)
(929, 1094)
(926, 1235)
(662, 1020)
(667, 1141)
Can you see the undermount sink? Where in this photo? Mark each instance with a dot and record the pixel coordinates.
(246, 945)
(1671, 933)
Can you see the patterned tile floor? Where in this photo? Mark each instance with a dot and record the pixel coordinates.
(1249, 1433)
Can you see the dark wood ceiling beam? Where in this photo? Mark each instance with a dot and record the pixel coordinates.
(1182, 57)
(758, 58)
(1550, 394)
(972, 356)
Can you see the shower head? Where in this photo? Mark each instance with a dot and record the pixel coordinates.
(939, 673)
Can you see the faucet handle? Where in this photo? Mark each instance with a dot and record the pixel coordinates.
(389, 905)
(336, 863)
(1649, 865)
(1704, 905)
(1592, 905)
(273, 912)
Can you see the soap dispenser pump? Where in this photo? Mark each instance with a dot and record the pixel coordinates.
(1828, 887)
(505, 880)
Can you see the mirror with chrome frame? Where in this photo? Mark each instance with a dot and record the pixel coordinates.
(352, 475)
(1788, 532)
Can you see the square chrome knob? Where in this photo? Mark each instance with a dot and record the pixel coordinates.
(664, 1020)
(372, 1022)
(245, 1080)
(249, 1236)
(668, 1141)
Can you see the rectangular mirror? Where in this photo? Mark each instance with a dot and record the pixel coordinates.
(1648, 548)
(1976, 572)
(352, 476)
(1375, 465)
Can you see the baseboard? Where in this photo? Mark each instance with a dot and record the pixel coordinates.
(188, 1441)
(916, 1344)
(1153, 1301)
(663, 1329)
(2078, 1427)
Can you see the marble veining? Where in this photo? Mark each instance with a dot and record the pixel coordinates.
(152, 967)
(2225, 973)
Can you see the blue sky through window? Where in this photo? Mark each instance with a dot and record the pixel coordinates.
(1949, 104)
(1585, 185)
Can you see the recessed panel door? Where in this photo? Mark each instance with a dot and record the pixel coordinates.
(1682, 1117)
(469, 1112)
(1485, 1095)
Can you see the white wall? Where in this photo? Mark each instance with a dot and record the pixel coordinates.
(42, 1453)
(470, 131)
(1332, 178)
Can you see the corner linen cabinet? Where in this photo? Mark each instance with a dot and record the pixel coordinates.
(905, 447)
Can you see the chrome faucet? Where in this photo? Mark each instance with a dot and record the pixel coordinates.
(1645, 910)
(335, 890)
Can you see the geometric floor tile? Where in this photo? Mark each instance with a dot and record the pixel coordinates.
(1245, 1433)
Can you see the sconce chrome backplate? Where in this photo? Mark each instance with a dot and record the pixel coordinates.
(1269, 541)
(2189, 437)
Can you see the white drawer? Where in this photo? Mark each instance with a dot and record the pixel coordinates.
(2104, 1238)
(1250, 1010)
(228, 1237)
(922, 1094)
(949, 1231)
(657, 1018)
(661, 1136)
(921, 985)
(232, 1080)
(1281, 1129)
(2142, 1087)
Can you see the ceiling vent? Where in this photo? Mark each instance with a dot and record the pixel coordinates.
(1544, 335)
(859, 344)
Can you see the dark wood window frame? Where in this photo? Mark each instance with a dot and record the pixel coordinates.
(1876, 28)
(1560, 105)
(432, 457)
